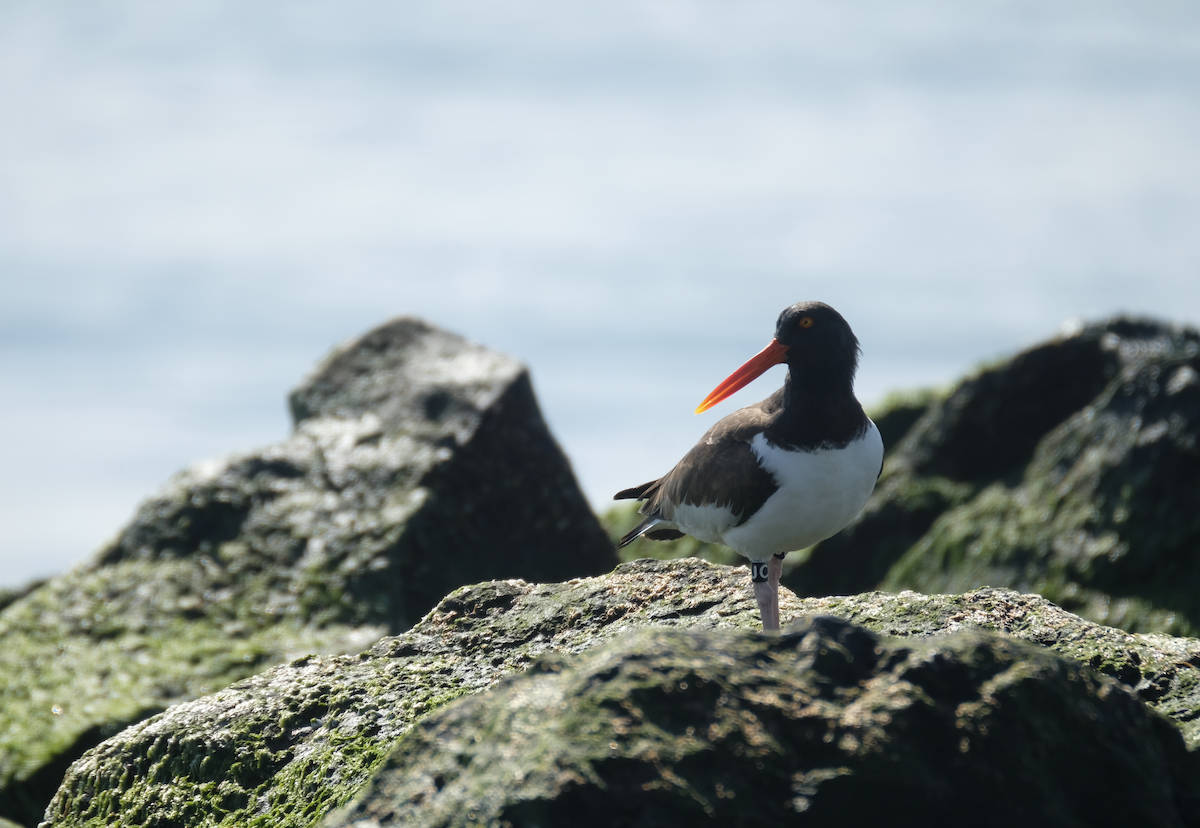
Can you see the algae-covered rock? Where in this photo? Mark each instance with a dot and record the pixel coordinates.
(284, 747)
(292, 742)
(825, 725)
(419, 462)
(1071, 470)
(9, 595)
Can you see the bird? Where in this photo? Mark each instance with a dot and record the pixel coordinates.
(779, 475)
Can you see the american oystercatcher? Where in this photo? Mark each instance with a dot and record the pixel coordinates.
(779, 475)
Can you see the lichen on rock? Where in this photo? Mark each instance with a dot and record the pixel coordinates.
(286, 746)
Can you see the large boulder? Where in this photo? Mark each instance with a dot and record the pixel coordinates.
(287, 746)
(826, 725)
(1071, 470)
(419, 462)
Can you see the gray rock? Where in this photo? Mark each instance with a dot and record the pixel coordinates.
(1071, 470)
(287, 746)
(826, 725)
(419, 462)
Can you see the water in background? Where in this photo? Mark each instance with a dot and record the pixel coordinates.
(198, 199)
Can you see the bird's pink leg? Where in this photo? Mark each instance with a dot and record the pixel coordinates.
(768, 604)
(765, 577)
(775, 573)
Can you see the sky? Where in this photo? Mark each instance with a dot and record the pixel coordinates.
(199, 199)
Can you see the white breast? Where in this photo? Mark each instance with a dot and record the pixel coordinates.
(819, 493)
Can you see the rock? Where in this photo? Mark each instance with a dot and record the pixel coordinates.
(825, 725)
(9, 595)
(284, 747)
(1071, 470)
(419, 462)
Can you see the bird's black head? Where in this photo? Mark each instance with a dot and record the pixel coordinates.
(820, 344)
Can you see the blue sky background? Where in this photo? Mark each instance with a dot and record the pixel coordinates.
(198, 199)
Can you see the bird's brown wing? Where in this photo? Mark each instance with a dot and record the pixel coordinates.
(721, 470)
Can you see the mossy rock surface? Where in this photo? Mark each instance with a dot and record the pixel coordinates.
(290, 743)
(1071, 470)
(825, 725)
(285, 747)
(419, 462)
(87, 655)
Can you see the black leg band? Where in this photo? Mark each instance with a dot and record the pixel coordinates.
(758, 572)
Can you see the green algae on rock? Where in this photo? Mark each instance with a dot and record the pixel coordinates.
(290, 743)
(1163, 670)
(284, 747)
(1071, 470)
(827, 724)
(419, 461)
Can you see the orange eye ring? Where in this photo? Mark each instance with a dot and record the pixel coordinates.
(806, 321)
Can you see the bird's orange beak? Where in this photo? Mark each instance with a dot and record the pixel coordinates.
(773, 354)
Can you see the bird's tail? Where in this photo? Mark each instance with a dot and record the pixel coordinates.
(646, 528)
(638, 531)
(638, 492)
(646, 491)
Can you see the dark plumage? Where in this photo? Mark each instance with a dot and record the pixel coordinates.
(785, 472)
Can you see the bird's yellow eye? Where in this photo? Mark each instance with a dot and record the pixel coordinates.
(806, 321)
